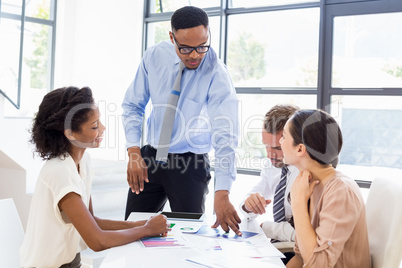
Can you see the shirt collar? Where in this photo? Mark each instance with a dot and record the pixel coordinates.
(68, 158)
(177, 60)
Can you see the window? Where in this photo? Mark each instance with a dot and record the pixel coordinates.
(362, 85)
(156, 6)
(26, 59)
(159, 31)
(274, 49)
(367, 51)
(257, 3)
(9, 55)
(337, 55)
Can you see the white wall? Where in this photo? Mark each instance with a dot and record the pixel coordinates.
(18, 168)
(14, 142)
(13, 184)
(99, 45)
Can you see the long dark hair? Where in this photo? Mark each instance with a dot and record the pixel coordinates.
(49, 123)
(319, 132)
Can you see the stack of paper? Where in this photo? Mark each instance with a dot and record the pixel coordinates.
(253, 250)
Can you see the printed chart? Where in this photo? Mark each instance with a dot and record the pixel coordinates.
(171, 240)
(218, 233)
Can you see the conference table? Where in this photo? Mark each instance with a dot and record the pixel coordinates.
(194, 250)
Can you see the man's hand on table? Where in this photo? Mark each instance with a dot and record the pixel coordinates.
(226, 214)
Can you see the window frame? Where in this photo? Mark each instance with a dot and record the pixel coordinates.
(23, 19)
(329, 9)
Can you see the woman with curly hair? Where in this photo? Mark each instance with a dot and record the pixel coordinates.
(61, 221)
(328, 209)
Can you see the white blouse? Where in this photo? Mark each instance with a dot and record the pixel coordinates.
(50, 240)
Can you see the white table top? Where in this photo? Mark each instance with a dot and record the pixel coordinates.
(199, 254)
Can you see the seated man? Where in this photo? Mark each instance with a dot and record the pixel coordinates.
(276, 180)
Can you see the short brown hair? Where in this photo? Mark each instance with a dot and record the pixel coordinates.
(275, 119)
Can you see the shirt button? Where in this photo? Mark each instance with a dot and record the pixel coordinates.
(329, 243)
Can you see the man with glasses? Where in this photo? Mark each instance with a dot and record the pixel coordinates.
(206, 117)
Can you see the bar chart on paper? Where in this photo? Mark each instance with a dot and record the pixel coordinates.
(219, 233)
(171, 240)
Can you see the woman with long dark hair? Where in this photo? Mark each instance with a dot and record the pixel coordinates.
(328, 208)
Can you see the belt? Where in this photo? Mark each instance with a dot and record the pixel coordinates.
(149, 145)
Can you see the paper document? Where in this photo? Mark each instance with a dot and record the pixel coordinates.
(207, 231)
(173, 239)
(221, 259)
(188, 227)
(257, 246)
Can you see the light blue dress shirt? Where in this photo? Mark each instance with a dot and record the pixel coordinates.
(207, 109)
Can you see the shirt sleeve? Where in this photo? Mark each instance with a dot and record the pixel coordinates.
(337, 218)
(261, 187)
(223, 114)
(281, 231)
(134, 103)
(61, 181)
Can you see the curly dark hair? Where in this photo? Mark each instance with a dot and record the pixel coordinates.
(47, 132)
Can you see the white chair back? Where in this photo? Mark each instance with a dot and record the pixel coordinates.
(384, 222)
(11, 234)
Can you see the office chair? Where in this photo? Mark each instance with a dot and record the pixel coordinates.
(11, 234)
(284, 247)
(384, 222)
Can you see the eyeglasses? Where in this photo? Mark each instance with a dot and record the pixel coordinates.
(188, 50)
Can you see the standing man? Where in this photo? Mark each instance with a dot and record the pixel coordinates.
(205, 116)
(272, 176)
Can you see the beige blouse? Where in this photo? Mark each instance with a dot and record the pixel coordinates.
(339, 220)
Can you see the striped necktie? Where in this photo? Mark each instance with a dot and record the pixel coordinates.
(168, 119)
(279, 197)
